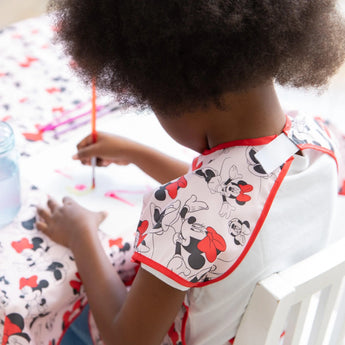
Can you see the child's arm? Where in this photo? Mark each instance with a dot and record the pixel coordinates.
(141, 317)
(115, 149)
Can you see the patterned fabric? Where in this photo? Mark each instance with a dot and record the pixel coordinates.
(196, 230)
(41, 292)
(307, 133)
(40, 86)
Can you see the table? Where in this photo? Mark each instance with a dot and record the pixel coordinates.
(41, 292)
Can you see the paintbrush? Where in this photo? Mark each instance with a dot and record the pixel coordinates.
(94, 133)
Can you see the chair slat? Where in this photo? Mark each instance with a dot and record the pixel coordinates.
(296, 323)
(338, 334)
(323, 314)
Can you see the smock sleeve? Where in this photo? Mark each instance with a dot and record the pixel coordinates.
(195, 230)
(173, 240)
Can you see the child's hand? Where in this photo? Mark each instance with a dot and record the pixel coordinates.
(108, 149)
(111, 148)
(67, 223)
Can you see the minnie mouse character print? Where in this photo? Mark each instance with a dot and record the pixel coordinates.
(308, 131)
(229, 184)
(162, 221)
(32, 291)
(239, 230)
(195, 245)
(11, 329)
(187, 238)
(31, 249)
(171, 189)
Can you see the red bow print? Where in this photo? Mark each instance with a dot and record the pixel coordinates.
(9, 329)
(117, 242)
(19, 246)
(32, 282)
(27, 63)
(76, 284)
(174, 186)
(173, 335)
(195, 164)
(52, 90)
(211, 243)
(141, 229)
(244, 189)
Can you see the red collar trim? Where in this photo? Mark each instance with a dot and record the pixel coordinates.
(248, 142)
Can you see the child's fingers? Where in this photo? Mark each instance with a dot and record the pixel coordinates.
(43, 214)
(85, 161)
(85, 142)
(68, 201)
(42, 227)
(102, 162)
(102, 215)
(53, 205)
(86, 152)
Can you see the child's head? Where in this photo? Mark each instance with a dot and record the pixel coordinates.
(175, 55)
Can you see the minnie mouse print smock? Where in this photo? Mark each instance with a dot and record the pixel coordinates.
(206, 232)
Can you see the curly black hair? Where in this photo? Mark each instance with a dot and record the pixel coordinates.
(174, 55)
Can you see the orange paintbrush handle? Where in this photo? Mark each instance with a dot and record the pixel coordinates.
(93, 113)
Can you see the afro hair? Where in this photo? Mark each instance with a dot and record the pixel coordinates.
(179, 54)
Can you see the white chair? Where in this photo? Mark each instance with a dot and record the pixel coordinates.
(302, 305)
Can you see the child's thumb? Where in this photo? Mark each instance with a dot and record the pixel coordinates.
(101, 216)
(86, 152)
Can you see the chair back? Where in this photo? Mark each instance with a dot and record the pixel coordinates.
(302, 305)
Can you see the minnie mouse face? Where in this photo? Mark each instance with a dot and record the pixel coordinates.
(239, 230)
(232, 190)
(32, 249)
(236, 190)
(11, 328)
(229, 184)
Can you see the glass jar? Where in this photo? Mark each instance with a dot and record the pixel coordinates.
(9, 176)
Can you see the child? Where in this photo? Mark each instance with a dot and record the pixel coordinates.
(243, 209)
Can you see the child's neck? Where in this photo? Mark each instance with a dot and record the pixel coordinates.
(251, 114)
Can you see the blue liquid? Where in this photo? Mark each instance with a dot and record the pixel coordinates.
(9, 191)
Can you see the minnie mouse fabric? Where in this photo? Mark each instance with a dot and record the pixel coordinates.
(41, 292)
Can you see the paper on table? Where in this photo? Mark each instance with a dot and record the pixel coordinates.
(119, 190)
